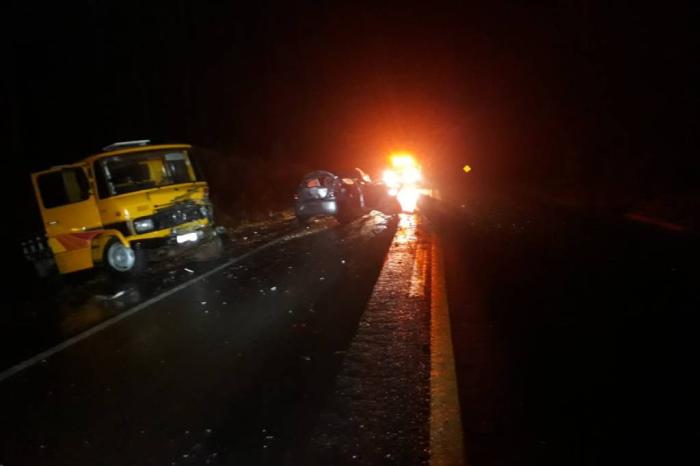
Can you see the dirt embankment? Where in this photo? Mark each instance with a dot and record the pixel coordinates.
(246, 190)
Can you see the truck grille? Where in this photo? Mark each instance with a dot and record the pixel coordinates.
(177, 215)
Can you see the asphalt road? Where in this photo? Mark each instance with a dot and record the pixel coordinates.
(574, 343)
(575, 335)
(257, 363)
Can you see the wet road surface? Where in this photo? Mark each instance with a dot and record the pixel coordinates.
(380, 406)
(574, 341)
(258, 363)
(43, 313)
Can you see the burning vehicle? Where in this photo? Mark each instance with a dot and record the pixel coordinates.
(120, 208)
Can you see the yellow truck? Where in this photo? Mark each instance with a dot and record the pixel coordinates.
(121, 208)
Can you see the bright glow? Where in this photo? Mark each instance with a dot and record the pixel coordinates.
(402, 159)
(408, 198)
(402, 180)
(406, 231)
(467, 169)
(391, 178)
(411, 175)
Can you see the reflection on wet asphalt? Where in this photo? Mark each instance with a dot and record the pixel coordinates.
(379, 411)
(233, 369)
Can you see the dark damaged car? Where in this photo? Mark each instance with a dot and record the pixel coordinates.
(345, 196)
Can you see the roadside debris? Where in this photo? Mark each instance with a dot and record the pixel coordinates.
(103, 297)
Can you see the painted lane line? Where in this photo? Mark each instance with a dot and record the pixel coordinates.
(6, 374)
(446, 433)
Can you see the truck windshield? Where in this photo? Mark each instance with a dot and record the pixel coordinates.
(132, 172)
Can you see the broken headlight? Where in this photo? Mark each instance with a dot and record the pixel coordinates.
(143, 225)
(206, 211)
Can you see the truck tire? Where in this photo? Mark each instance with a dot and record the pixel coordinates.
(123, 261)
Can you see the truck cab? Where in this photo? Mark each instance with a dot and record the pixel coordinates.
(122, 207)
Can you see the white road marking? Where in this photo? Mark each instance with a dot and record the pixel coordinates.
(6, 374)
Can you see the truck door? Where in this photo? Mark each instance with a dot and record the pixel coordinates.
(69, 212)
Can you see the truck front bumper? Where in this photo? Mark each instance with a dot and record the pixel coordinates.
(177, 242)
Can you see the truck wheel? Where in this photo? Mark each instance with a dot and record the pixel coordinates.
(123, 260)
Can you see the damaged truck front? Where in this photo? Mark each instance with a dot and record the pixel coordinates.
(121, 208)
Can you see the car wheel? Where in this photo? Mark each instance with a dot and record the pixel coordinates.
(123, 261)
(345, 213)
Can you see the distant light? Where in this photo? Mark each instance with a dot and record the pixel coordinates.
(403, 178)
(391, 178)
(467, 169)
(402, 160)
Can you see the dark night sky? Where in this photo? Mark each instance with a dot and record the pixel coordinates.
(551, 93)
